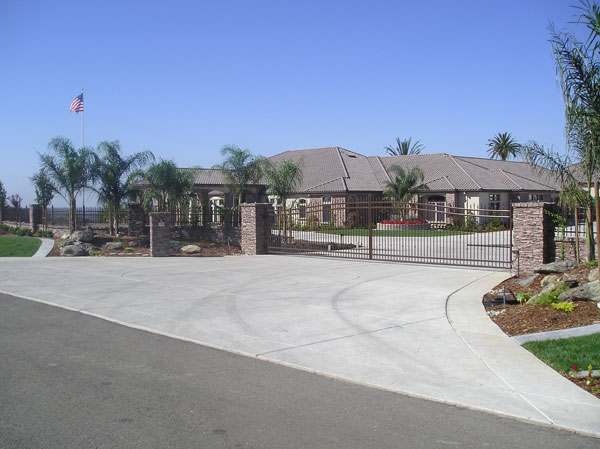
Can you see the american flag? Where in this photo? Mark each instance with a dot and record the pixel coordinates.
(77, 104)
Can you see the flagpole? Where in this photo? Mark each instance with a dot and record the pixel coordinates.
(82, 146)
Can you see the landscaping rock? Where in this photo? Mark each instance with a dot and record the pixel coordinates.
(113, 246)
(585, 292)
(549, 280)
(526, 281)
(175, 246)
(573, 280)
(67, 243)
(73, 251)
(191, 249)
(593, 276)
(559, 266)
(83, 236)
(139, 243)
(549, 288)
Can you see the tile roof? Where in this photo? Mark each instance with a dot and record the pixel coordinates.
(337, 170)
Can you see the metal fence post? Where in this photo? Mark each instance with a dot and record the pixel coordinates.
(370, 225)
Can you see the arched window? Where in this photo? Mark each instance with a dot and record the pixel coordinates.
(326, 209)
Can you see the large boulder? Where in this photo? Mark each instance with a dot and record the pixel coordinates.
(113, 246)
(73, 251)
(573, 280)
(191, 249)
(175, 246)
(551, 279)
(560, 266)
(83, 236)
(593, 276)
(526, 281)
(585, 292)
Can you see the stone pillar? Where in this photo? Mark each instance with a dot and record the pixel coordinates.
(160, 234)
(533, 235)
(256, 228)
(35, 216)
(135, 219)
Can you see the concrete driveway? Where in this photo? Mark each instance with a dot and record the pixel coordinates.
(419, 330)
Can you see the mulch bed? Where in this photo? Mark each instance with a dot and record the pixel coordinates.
(528, 319)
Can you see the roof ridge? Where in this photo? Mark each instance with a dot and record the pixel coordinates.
(507, 177)
(466, 173)
(327, 182)
(342, 161)
(531, 180)
(387, 175)
(452, 186)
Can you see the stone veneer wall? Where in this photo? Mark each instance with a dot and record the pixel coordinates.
(35, 216)
(160, 234)
(533, 235)
(135, 220)
(255, 228)
(570, 248)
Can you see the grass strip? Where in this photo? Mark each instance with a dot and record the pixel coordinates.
(564, 353)
(13, 246)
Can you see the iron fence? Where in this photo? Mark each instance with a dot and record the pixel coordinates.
(85, 216)
(433, 233)
(194, 216)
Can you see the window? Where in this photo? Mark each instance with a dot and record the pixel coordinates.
(326, 209)
(537, 197)
(494, 201)
(302, 209)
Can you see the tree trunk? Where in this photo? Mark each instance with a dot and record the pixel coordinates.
(72, 214)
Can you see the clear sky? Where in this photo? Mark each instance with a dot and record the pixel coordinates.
(182, 79)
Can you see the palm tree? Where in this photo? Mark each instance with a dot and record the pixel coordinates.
(503, 146)
(283, 179)
(115, 175)
(240, 168)
(69, 171)
(44, 192)
(167, 186)
(404, 184)
(2, 199)
(405, 147)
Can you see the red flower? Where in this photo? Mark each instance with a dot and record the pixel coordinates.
(574, 367)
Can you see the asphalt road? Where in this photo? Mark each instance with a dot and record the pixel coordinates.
(72, 381)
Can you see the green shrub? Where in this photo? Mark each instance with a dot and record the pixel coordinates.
(95, 252)
(591, 263)
(545, 299)
(523, 297)
(128, 249)
(565, 306)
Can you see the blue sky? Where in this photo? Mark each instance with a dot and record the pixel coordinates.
(182, 79)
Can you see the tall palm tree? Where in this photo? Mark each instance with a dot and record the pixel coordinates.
(241, 168)
(405, 147)
(503, 146)
(167, 186)
(69, 171)
(44, 192)
(2, 199)
(115, 175)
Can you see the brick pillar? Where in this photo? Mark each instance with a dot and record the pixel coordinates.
(533, 235)
(255, 228)
(35, 216)
(135, 219)
(160, 234)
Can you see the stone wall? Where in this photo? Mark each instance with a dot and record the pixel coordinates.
(160, 234)
(35, 216)
(135, 220)
(255, 228)
(533, 236)
(217, 234)
(568, 245)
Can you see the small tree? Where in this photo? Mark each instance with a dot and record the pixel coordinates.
(405, 147)
(44, 192)
(69, 171)
(167, 186)
(404, 185)
(2, 199)
(283, 179)
(503, 146)
(240, 168)
(16, 200)
(115, 175)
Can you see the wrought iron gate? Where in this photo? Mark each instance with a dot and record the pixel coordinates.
(392, 231)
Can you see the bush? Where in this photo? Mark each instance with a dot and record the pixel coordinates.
(565, 306)
(548, 298)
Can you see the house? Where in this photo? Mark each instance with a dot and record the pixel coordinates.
(334, 176)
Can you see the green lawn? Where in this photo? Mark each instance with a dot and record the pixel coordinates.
(404, 233)
(14, 246)
(564, 353)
